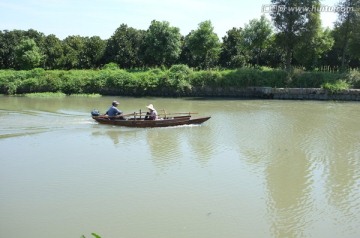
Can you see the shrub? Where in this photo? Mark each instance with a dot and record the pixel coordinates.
(353, 78)
(179, 78)
(180, 71)
(119, 81)
(206, 78)
(71, 83)
(313, 79)
(35, 73)
(28, 86)
(111, 66)
(336, 86)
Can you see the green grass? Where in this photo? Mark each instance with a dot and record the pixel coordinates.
(45, 95)
(335, 87)
(59, 94)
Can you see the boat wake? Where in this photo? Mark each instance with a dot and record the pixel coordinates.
(28, 122)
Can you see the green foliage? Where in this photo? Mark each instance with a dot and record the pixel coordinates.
(120, 81)
(251, 77)
(178, 80)
(111, 66)
(353, 78)
(335, 86)
(72, 46)
(256, 37)
(92, 52)
(179, 71)
(299, 41)
(206, 78)
(347, 27)
(303, 79)
(179, 77)
(124, 47)
(44, 95)
(27, 54)
(233, 53)
(162, 44)
(204, 46)
(292, 24)
(71, 85)
(53, 52)
(315, 42)
(150, 81)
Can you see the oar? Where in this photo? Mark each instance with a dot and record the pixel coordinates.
(177, 113)
(134, 113)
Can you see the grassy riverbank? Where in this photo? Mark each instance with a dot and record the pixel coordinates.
(174, 81)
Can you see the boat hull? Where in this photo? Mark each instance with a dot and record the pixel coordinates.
(176, 121)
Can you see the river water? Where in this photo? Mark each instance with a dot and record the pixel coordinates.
(257, 168)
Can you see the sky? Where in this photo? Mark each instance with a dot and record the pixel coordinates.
(102, 17)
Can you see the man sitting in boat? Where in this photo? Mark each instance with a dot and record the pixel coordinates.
(113, 110)
(152, 113)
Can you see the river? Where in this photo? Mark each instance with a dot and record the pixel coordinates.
(257, 168)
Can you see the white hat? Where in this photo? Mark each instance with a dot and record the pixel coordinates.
(151, 107)
(115, 103)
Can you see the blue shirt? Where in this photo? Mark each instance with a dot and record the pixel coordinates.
(113, 111)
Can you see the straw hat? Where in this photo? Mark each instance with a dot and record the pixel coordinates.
(151, 107)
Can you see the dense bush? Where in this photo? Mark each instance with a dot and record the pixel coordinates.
(302, 79)
(335, 87)
(353, 78)
(178, 80)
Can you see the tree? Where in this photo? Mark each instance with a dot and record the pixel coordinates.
(2, 50)
(28, 55)
(347, 26)
(185, 55)
(233, 54)
(312, 50)
(38, 37)
(72, 46)
(204, 46)
(273, 55)
(92, 52)
(53, 52)
(314, 41)
(123, 47)
(256, 36)
(8, 42)
(290, 19)
(162, 44)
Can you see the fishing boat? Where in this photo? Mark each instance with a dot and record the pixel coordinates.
(138, 120)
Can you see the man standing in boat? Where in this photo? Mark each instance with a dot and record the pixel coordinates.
(152, 114)
(113, 110)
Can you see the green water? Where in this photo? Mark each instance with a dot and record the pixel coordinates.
(255, 169)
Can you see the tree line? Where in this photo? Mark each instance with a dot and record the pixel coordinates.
(291, 38)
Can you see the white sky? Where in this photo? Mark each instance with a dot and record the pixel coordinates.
(102, 17)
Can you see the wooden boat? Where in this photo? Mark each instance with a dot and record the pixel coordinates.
(136, 120)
